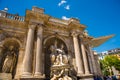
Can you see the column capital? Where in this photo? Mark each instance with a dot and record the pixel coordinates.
(75, 34)
(40, 27)
(32, 26)
(21, 48)
(36, 22)
(81, 36)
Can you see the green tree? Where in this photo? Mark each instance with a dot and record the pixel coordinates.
(113, 61)
(108, 62)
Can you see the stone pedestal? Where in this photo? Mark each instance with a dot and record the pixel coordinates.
(5, 76)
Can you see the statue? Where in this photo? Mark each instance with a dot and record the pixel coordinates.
(58, 56)
(66, 77)
(56, 77)
(9, 61)
(59, 60)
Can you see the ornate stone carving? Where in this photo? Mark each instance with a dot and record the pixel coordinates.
(60, 63)
(58, 56)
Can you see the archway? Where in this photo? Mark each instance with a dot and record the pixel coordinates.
(9, 57)
(56, 42)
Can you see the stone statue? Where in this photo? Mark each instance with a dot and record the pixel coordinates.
(9, 61)
(59, 60)
(85, 33)
(56, 77)
(66, 77)
(58, 56)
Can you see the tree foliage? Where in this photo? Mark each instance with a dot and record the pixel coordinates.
(112, 61)
(108, 62)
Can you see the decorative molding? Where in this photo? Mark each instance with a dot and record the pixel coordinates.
(58, 21)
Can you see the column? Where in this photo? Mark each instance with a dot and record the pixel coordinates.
(39, 57)
(89, 60)
(85, 61)
(93, 60)
(27, 62)
(1, 54)
(77, 54)
(19, 69)
(1, 48)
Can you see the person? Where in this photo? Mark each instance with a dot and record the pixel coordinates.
(9, 61)
(114, 77)
(108, 78)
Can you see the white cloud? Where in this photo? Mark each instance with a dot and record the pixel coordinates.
(67, 7)
(62, 2)
(65, 18)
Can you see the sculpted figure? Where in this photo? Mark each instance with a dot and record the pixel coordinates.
(56, 77)
(53, 52)
(58, 56)
(66, 77)
(53, 57)
(9, 61)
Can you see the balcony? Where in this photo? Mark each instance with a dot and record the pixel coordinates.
(12, 16)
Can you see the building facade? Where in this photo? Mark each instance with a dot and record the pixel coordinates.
(114, 52)
(38, 46)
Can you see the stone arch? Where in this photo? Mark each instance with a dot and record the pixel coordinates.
(59, 37)
(9, 54)
(12, 39)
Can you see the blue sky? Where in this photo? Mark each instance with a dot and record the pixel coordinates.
(102, 17)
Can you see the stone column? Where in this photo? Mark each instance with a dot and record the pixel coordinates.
(89, 60)
(27, 62)
(19, 69)
(93, 60)
(39, 54)
(77, 54)
(85, 61)
(1, 48)
(1, 54)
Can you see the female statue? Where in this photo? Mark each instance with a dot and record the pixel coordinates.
(9, 61)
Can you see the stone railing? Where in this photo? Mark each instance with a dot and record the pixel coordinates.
(12, 16)
(15, 17)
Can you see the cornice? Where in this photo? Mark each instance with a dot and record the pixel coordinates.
(59, 21)
(36, 16)
(13, 29)
(15, 23)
